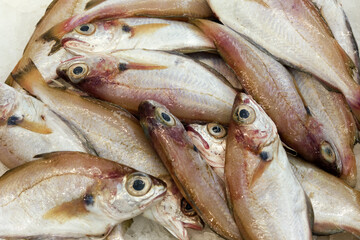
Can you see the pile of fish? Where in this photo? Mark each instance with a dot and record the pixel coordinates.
(189, 113)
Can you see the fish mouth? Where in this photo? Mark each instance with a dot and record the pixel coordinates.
(190, 130)
(194, 226)
(73, 45)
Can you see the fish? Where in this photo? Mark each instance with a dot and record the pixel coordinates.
(25, 121)
(98, 194)
(272, 86)
(267, 199)
(336, 205)
(339, 24)
(332, 112)
(195, 179)
(210, 140)
(303, 41)
(136, 33)
(218, 64)
(115, 134)
(103, 9)
(191, 91)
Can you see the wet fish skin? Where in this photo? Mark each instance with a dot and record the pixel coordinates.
(99, 194)
(137, 33)
(196, 181)
(123, 141)
(331, 111)
(303, 41)
(191, 91)
(267, 200)
(272, 86)
(335, 17)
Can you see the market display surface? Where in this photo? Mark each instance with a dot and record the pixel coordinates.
(196, 119)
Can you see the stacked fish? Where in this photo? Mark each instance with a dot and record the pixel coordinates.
(181, 111)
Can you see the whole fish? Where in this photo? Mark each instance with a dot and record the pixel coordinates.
(102, 9)
(266, 197)
(137, 33)
(97, 195)
(272, 86)
(210, 140)
(303, 41)
(331, 111)
(191, 91)
(218, 64)
(336, 205)
(197, 182)
(115, 134)
(25, 121)
(335, 17)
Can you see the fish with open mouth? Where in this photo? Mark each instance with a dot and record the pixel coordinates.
(71, 194)
(303, 41)
(191, 91)
(137, 33)
(267, 199)
(195, 179)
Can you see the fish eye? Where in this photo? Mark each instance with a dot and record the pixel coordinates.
(244, 114)
(327, 152)
(165, 117)
(86, 29)
(77, 72)
(138, 184)
(216, 130)
(186, 208)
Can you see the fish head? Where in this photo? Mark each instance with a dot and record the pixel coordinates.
(93, 67)
(126, 196)
(8, 102)
(210, 140)
(253, 127)
(97, 36)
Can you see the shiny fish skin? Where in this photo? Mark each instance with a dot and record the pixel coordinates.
(191, 91)
(267, 200)
(331, 111)
(25, 122)
(93, 199)
(137, 33)
(197, 182)
(272, 86)
(336, 205)
(115, 134)
(335, 17)
(294, 32)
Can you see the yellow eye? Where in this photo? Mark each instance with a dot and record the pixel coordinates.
(244, 114)
(165, 117)
(186, 208)
(86, 29)
(77, 72)
(216, 130)
(138, 184)
(327, 152)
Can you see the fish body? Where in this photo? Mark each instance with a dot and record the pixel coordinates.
(335, 17)
(25, 122)
(97, 195)
(267, 200)
(294, 32)
(115, 134)
(191, 91)
(331, 111)
(194, 178)
(272, 86)
(137, 33)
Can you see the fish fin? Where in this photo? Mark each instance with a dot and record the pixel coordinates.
(260, 169)
(140, 66)
(289, 150)
(348, 62)
(10, 80)
(34, 126)
(50, 154)
(54, 34)
(93, 3)
(144, 29)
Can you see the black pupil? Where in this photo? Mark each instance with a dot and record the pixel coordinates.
(216, 129)
(165, 117)
(138, 185)
(78, 70)
(244, 113)
(84, 28)
(328, 151)
(188, 207)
